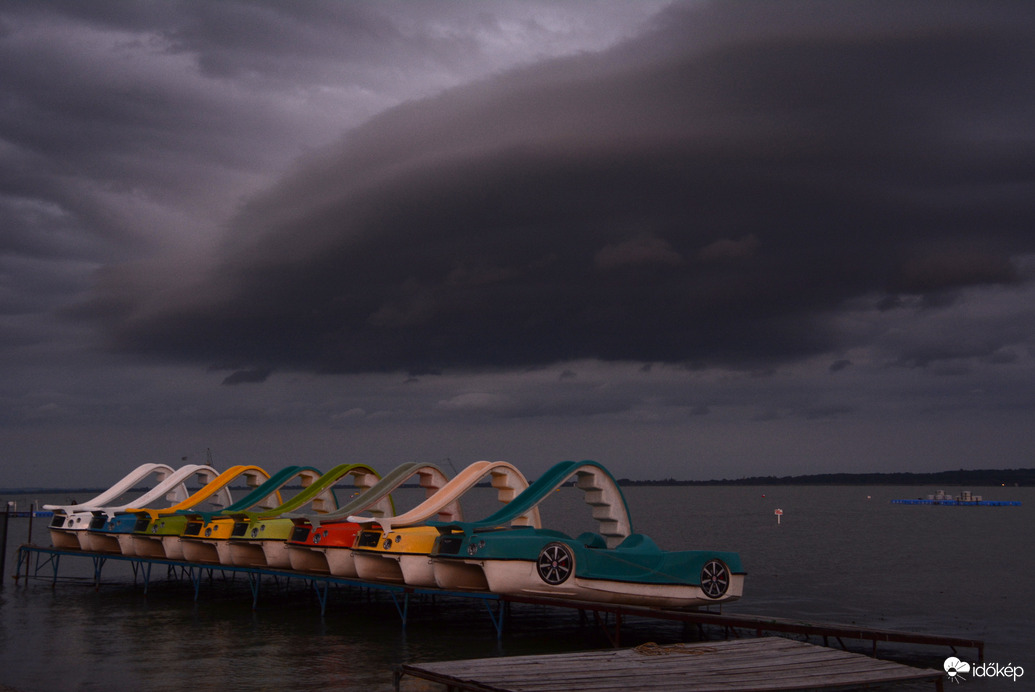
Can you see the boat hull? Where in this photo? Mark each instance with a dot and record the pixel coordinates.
(206, 551)
(376, 567)
(245, 554)
(64, 539)
(341, 563)
(520, 578)
(152, 546)
(306, 559)
(459, 575)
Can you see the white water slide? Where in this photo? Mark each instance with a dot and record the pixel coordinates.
(443, 505)
(133, 479)
(171, 490)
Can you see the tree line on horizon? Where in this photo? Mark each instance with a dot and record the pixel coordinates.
(977, 477)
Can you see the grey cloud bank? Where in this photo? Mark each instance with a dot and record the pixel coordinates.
(712, 192)
(721, 239)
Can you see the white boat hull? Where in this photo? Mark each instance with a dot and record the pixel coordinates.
(208, 552)
(520, 578)
(173, 547)
(308, 559)
(65, 539)
(417, 570)
(126, 544)
(275, 554)
(244, 554)
(342, 562)
(149, 546)
(375, 567)
(459, 575)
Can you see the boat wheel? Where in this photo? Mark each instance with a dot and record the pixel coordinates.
(715, 578)
(555, 563)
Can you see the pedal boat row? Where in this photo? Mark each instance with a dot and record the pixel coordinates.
(430, 545)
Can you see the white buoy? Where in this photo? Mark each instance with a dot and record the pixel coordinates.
(778, 513)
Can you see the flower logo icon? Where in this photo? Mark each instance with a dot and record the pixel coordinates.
(954, 668)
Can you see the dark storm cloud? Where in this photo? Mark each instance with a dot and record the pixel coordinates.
(714, 191)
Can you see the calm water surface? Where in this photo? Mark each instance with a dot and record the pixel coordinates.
(842, 554)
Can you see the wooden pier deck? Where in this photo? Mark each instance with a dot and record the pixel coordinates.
(760, 665)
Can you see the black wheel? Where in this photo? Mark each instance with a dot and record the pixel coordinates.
(555, 564)
(715, 579)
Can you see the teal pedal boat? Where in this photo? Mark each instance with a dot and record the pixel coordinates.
(613, 566)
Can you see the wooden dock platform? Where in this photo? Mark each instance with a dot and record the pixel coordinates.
(760, 665)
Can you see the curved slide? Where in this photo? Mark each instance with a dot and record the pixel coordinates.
(102, 535)
(334, 543)
(264, 545)
(320, 494)
(123, 486)
(72, 530)
(132, 526)
(377, 498)
(205, 535)
(267, 496)
(506, 479)
(173, 489)
(601, 493)
(216, 492)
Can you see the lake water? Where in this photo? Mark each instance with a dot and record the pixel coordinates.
(841, 554)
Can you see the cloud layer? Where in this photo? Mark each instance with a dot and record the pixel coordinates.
(717, 239)
(719, 190)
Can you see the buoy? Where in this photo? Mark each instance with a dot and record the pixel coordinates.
(778, 513)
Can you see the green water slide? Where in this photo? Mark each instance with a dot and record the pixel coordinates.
(260, 499)
(320, 494)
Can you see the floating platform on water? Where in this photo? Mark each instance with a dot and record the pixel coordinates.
(769, 663)
(960, 503)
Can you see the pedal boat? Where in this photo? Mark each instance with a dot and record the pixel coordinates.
(327, 548)
(259, 539)
(541, 563)
(397, 549)
(612, 566)
(156, 532)
(111, 529)
(70, 519)
(170, 490)
(205, 538)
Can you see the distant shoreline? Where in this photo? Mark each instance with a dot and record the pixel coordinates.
(962, 477)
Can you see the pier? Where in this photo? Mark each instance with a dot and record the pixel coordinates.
(44, 563)
(763, 665)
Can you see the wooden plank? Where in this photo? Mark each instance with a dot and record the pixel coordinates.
(764, 623)
(770, 663)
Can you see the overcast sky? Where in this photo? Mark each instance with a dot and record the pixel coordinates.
(693, 240)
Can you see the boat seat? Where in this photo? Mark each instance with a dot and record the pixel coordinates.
(592, 540)
(638, 541)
